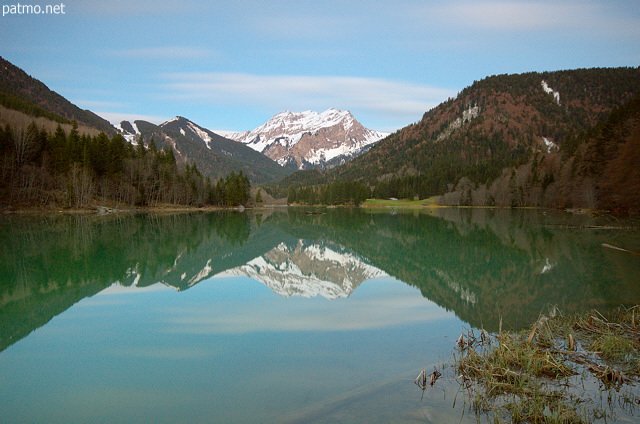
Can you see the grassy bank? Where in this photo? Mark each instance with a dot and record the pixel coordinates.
(564, 369)
(398, 203)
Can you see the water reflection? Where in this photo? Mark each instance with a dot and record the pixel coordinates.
(308, 269)
(485, 265)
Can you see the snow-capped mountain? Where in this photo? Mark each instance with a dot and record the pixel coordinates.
(309, 139)
(215, 155)
(192, 131)
(179, 124)
(309, 270)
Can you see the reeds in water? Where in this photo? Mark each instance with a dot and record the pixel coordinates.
(539, 375)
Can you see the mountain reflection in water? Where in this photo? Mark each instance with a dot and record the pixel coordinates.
(309, 268)
(485, 265)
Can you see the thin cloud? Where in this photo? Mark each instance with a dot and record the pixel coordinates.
(303, 26)
(527, 16)
(98, 104)
(297, 92)
(116, 117)
(510, 16)
(165, 52)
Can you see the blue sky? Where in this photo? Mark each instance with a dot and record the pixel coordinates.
(231, 65)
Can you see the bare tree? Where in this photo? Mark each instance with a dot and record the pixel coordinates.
(24, 144)
(80, 186)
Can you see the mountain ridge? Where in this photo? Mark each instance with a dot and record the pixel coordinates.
(214, 155)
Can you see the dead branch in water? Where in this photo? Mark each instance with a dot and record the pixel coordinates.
(620, 249)
(421, 379)
(589, 227)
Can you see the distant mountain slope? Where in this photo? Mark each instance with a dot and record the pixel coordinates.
(214, 155)
(303, 140)
(497, 123)
(23, 89)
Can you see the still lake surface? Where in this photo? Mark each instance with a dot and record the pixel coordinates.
(278, 316)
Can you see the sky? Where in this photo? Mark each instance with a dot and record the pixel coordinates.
(231, 65)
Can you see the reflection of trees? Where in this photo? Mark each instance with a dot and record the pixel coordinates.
(235, 228)
(49, 263)
(484, 264)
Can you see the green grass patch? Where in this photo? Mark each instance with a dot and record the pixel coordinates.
(613, 346)
(399, 203)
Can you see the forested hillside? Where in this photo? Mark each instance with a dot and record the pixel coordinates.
(40, 168)
(596, 169)
(505, 140)
(19, 91)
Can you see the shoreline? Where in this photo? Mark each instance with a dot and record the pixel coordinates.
(369, 204)
(105, 210)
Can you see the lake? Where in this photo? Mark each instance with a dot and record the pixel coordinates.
(279, 315)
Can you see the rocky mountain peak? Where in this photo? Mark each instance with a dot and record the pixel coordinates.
(310, 139)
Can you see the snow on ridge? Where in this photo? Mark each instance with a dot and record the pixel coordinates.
(200, 133)
(202, 274)
(131, 138)
(549, 90)
(233, 135)
(136, 131)
(177, 118)
(193, 127)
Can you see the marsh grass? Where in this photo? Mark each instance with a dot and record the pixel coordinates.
(613, 346)
(536, 376)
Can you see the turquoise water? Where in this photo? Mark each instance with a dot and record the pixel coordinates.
(277, 316)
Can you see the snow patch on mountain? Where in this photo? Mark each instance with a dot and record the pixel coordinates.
(202, 274)
(129, 130)
(549, 90)
(206, 138)
(548, 266)
(550, 145)
(467, 115)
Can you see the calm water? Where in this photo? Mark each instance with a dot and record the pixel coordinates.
(277, 316)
